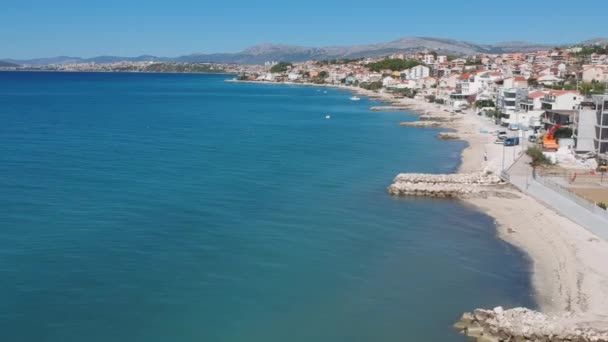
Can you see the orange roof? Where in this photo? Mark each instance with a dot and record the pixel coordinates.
(562, 92)
(519, 79)
(464, 76)
(536, 94)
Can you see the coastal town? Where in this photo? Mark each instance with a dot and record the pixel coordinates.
(536, 124)
(552, 99)
(537, 128)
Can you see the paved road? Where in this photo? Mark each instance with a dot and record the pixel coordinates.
(520, 175)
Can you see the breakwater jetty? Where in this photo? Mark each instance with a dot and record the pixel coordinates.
(389, 108)
(461, 185)
(521, 324)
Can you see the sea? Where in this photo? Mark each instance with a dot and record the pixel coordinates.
(180, 207)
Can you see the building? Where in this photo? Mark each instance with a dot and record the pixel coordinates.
(509, 103)
(417, 72)
(561, 100)
(584, 127)
(600, 141)
(515, 82)
(533, 102)
(597, 73)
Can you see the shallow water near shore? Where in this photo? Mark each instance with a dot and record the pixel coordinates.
(151, 207)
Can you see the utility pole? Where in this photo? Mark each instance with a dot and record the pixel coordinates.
(503, 156)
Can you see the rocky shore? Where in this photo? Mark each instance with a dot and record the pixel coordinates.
(521, 324)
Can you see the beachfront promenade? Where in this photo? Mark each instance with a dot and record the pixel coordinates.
(520, 175)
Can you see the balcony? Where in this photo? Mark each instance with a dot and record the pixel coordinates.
(548, 99)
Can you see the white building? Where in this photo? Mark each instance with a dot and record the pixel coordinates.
(417, 72)
(597, 73)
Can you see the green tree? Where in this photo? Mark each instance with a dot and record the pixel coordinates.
(484, 103)
(280, 67)
(392, 64)
(537, 156)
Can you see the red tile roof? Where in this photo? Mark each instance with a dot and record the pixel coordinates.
(562, 92)
(536, 94)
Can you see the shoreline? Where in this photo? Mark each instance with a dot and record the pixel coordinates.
(568, 275)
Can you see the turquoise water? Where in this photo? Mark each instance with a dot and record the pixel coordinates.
(144, 207)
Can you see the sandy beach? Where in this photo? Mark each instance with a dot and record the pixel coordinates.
(570, 272)
(569, 268)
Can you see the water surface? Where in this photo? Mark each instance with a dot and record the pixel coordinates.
(149, 207)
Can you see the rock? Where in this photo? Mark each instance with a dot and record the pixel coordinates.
(485, 338)
(474, 331)
(423, 124)
(521, 324)
(446, 186)
(448, 136)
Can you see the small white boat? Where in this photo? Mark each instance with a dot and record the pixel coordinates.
(355, 98)
(327, 117)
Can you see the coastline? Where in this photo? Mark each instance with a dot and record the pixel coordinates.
(569, 275)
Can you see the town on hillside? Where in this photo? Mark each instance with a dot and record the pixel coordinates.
(560, 91)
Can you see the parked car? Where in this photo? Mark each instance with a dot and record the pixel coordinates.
(512, 141)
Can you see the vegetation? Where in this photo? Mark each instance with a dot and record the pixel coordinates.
(538, 158)
(451, 58)
(392, 64)
(592, 88)
(484, 103)
(323, 74)
(371, 85)
(407, 92)
(338, 61)
(603, 205)
(563, 132)
(589, 50)
(439, 101)
(586, 88)
(280, 67)
(493, 113)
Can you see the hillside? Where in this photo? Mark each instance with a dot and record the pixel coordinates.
(290, 53)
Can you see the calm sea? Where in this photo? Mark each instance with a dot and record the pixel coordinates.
(149, 207)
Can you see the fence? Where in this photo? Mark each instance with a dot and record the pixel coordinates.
(555, 186)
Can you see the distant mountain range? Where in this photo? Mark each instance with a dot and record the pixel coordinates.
(4, 64)
(288, 53)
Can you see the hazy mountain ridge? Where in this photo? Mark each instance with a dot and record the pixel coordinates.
(4, 64)
(291, 53)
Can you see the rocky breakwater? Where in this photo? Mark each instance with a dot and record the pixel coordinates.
(449, 136)
(424, 124)
(522, 324)
(389, 108)
(429, 120)
(461, 185)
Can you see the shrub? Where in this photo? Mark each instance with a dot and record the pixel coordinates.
(603, 205)
(563, 132)
(280, 67)
(538, 158)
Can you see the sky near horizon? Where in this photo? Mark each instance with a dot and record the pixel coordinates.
(32, 29)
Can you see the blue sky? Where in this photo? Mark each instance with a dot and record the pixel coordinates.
(169, 28)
